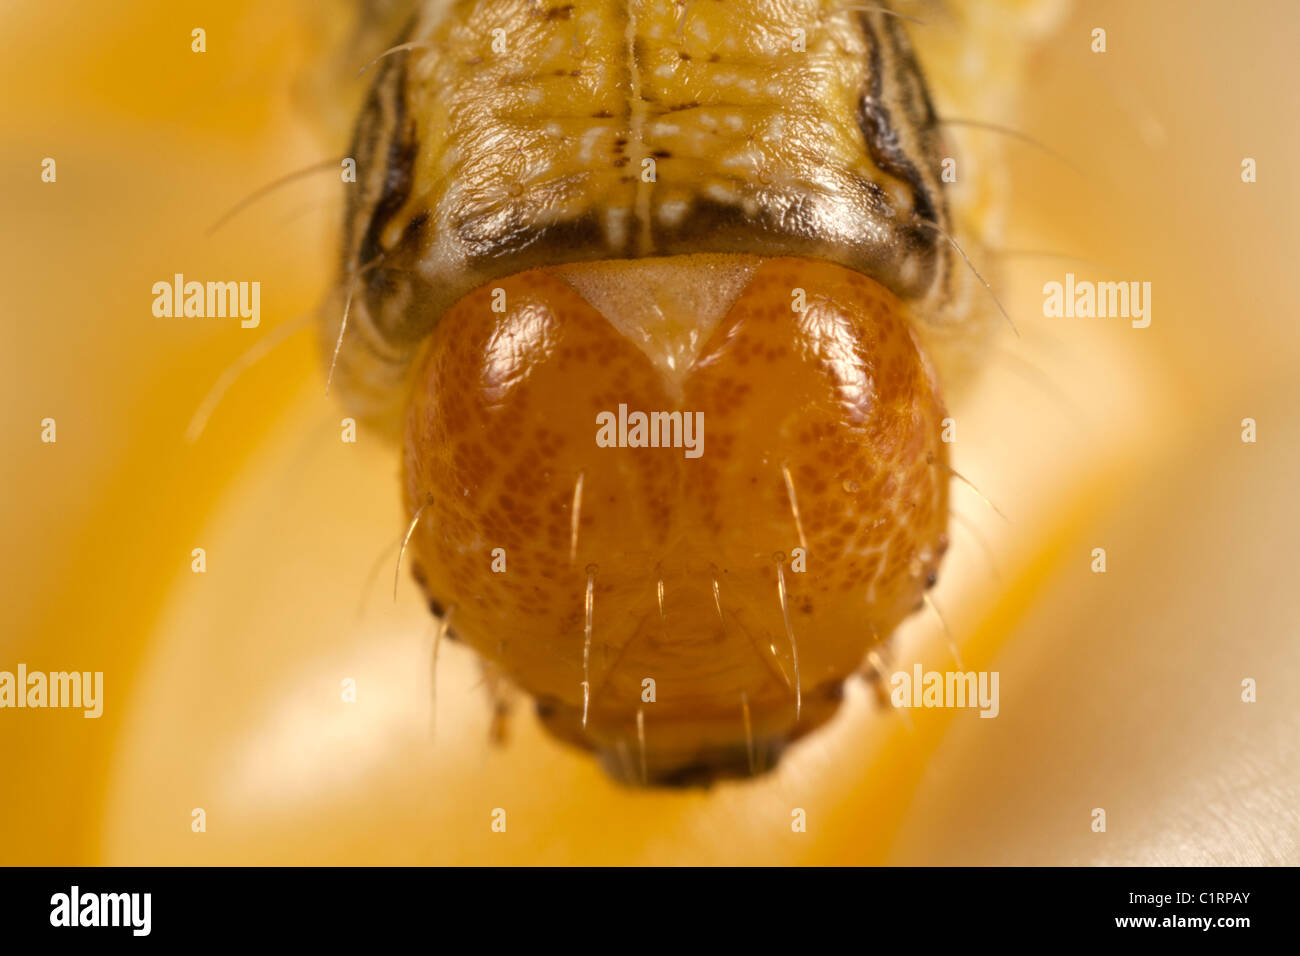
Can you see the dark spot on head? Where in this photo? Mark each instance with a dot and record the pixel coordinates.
(560, 13)
(661, 154)
(601, 114)
(412, 234)
(831, 691)
(435, 607)
(931, 579)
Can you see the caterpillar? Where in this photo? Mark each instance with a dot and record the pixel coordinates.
(662, 302)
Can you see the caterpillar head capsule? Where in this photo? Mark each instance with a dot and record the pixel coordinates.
(676, 500)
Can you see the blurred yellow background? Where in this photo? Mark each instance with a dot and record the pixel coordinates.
(222, 690)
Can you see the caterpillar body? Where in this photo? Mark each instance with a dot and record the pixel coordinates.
(661, 300)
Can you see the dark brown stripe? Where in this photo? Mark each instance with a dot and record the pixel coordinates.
(881, 137)
(399, 160)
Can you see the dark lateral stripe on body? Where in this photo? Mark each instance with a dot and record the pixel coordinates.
(398, 157)
(881, 136)
(388, 148)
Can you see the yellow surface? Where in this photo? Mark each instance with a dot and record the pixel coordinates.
(222, 690)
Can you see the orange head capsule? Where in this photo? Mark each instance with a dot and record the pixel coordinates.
(677, 500)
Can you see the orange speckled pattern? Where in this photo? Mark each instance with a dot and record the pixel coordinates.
(503, 423)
